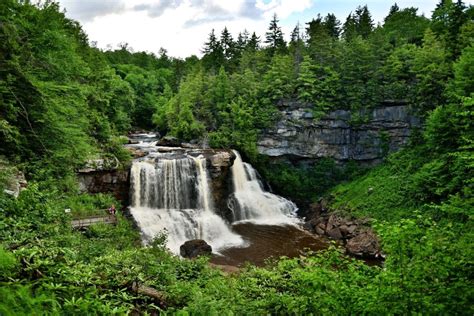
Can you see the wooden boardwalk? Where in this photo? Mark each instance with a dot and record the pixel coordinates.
(87, 221)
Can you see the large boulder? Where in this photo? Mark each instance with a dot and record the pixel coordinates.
(195, 248)
(365, 244)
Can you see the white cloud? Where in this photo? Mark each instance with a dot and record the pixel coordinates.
(86, 10)
(180, 26)
(283, 8)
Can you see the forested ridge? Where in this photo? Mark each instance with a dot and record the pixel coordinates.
(63, 102)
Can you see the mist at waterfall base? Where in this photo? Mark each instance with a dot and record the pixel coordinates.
(170, 193)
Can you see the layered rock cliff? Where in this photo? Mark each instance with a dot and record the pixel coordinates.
(365, 137)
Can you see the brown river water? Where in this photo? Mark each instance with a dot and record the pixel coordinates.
(268, 241)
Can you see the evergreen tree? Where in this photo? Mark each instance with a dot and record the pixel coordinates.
(296, 47)
(447, 21)
(349, 29)
(404, 26)
(279, 80)
(316, 29)
(295, 34)
(318, 85)
(213, 53)
(242, 41)
(393, 10)
(274, 38)
(364, 22)
(359, 23)
(254, 42)
(332, 25)
(227, 44)
(358, 65)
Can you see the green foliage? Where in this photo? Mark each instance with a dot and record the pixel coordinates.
(63, 102)
(8, 263)
(84, 205)
(318, 85)
(279, 80)
(306, 184)
(405, 26)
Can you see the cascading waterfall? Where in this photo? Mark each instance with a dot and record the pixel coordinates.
(172, 195)
(251, 203)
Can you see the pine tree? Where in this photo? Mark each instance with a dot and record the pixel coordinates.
(242, 41)
(212, 44)
(227, 44)
(296, 47)
(315, 28)
(393, 10)
(274, 37)
(295, 34)
(332, 25)
(365, 24)
(213, 53)
(254, 42)
(358, 23)
(349, 29)
(404, 26)
(447, 20)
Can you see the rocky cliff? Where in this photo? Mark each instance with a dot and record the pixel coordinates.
(114, 181)
(365, 137)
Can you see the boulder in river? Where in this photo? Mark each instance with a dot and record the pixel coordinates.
(195, 248)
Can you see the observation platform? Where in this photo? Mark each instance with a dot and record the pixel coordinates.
(88, 221)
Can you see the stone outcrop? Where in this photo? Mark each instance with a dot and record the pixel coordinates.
(15, 184)
(105, 179)
(339, 134)
(357, 239)
(195, 248)
(365, 244)
(219, 165)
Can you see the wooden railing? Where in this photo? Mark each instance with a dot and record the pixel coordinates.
(87, 221)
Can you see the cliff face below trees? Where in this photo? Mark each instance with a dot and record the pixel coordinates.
(364, 137)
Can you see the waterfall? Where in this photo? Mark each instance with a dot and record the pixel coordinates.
(250, 202)
(171, 194)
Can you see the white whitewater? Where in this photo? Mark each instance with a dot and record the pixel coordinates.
(251, 203)
(172, 196)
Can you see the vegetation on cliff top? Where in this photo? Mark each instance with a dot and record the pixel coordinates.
(63, 102)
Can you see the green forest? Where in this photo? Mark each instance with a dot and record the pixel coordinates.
(64, 101)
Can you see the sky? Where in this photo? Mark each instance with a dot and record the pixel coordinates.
(183, 26)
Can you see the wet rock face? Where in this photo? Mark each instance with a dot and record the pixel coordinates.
(195, 248)
(220, 165)
(336, 135)
(116, 182)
